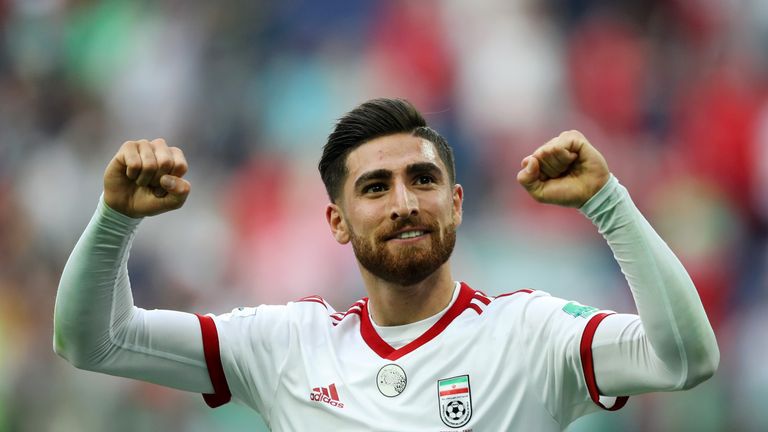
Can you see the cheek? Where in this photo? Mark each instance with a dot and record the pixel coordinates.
(444, 207)
(364, 221)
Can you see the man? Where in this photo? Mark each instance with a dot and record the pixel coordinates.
(423, 352)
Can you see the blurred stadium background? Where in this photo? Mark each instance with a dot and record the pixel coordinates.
(672, 91)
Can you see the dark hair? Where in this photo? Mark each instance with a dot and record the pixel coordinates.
(373, 119)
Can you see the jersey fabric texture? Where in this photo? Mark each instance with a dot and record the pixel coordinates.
(518, 361)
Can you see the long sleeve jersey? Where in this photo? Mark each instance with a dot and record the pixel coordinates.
(521, 360)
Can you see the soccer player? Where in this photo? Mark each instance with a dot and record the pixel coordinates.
(423, 352)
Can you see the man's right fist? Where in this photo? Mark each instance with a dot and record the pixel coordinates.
(145, 178)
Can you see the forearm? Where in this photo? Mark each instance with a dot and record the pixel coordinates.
(673, 346)
(97, 327)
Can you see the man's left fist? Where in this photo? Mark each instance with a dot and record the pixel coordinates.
(566, 171)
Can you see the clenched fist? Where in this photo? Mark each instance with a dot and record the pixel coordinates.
(566, 171)
(145, 178)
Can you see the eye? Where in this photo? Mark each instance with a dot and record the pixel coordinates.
(374, 188)
(425, 179)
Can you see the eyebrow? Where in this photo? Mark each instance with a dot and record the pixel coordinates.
(379, 174)
(385, 174)
(424, 167)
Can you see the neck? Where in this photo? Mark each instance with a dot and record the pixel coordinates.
(392, 304)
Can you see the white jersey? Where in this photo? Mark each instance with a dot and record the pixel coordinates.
(522, 361)
(518, 361)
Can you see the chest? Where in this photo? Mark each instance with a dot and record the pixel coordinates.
(462, 379)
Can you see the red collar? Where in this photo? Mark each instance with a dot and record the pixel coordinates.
(386, 351)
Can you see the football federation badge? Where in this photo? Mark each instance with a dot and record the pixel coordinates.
(455, 401)
(391, 380)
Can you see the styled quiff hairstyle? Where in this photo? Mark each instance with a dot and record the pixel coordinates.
(370, 120)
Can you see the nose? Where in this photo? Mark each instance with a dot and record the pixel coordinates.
(404, 203)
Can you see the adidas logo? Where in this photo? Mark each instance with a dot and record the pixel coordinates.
(328, 395)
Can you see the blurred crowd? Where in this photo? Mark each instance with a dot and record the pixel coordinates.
(673, 92)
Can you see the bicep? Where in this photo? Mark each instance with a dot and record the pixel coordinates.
(625, 362)
(159, 346)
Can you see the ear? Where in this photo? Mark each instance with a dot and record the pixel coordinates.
(458, 200)
(336, 222)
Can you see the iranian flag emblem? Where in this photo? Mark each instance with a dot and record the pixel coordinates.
(454, 400)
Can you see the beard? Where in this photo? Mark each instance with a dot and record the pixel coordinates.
(410, 264)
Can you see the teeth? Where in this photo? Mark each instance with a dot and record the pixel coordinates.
(410, 234)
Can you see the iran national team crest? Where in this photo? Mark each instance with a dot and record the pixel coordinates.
(455, 401)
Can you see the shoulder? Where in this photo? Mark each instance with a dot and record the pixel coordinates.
(323, 311)
(307, 307)
(530, 307)
(311, 301)
(480, 301)
(314, 310)
(474, 305)
(306, 311)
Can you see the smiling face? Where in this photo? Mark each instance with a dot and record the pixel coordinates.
(398, 208)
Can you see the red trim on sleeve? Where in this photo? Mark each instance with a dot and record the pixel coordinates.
(588, 366)
(221, 393)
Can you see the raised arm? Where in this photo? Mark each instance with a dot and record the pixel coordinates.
(670, 344)
(96, 325)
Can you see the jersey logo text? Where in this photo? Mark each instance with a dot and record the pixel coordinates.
(327, 395)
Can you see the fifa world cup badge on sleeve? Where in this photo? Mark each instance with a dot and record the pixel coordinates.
(454, 400)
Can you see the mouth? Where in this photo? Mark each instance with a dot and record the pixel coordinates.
(409, 234)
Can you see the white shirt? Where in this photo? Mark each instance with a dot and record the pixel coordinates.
(525, 361)
(518, 353)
